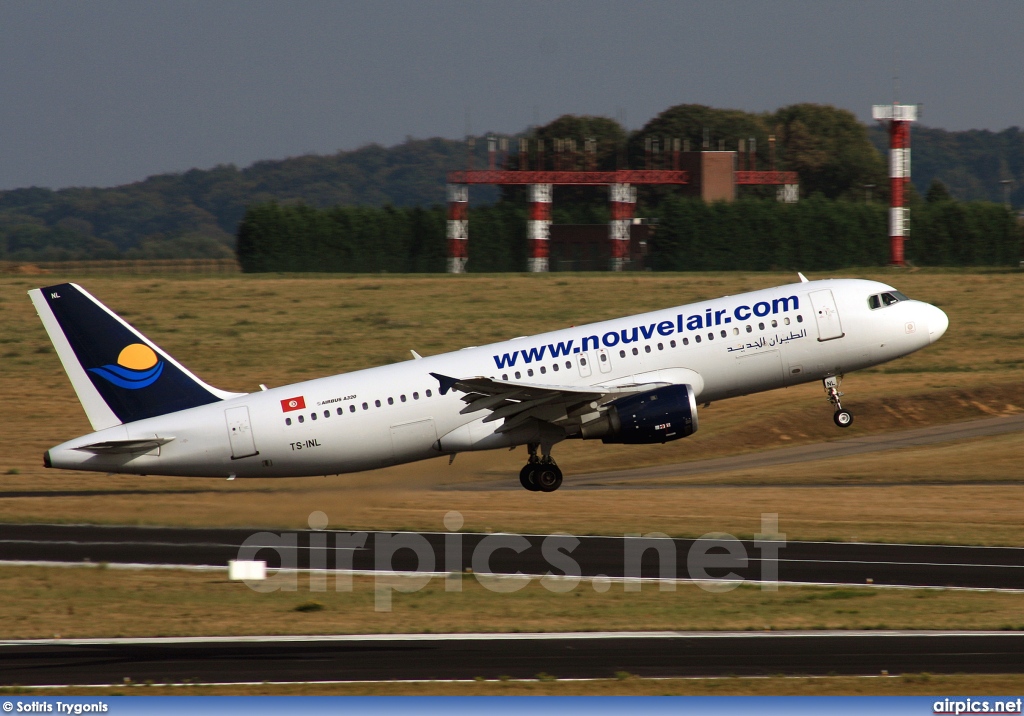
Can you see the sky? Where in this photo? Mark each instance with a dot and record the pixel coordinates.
(108, 92)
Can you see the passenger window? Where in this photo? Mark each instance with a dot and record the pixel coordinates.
(312, 416)
(760, 326)
(583, 361)
(775, 324)
(786, 320)
(672, 344)
(697, 338)
(568, 364)
(622, 354)
(799, 319)
(686, 341)
(543, 370)
(327, 413)
(750, 329)
(504, 376)
(287, 421)
(711, 336)
(402, 398)
(429, 394)
(604, 358)
(518, 375)
(735, 331)
(365, 406)
(661, 347)
(415, 396)
(391, 401)
(554, 367)
(340, 411)
(647, 349)
(377, 403)
(724, 333)
(529, 372)
(351, 408)
(636, 352)
(302, 419)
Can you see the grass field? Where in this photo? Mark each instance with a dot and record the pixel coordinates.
(239, 331)
(105, 602)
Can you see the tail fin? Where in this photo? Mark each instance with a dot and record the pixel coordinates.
(119, 374)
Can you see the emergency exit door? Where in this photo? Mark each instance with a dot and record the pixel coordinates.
(240, 433)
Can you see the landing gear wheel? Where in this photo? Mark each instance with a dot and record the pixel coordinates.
(843, 418)
(527, 475)
(548, 477)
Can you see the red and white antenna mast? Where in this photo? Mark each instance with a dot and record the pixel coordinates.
(899, 117)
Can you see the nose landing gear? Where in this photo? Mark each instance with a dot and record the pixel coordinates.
(842, 418)
(540, 474)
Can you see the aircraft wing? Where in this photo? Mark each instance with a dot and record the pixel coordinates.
(516, 403)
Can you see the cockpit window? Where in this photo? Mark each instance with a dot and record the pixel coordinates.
(885, 299)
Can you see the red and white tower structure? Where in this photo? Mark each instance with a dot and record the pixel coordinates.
(623, 208)
(538, 226)
(899, 117)
(458, 227)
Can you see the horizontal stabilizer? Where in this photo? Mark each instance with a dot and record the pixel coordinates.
(120, 447)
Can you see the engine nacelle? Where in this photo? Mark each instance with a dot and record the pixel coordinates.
(656, 416)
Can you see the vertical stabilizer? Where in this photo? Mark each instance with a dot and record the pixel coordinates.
(119, 375)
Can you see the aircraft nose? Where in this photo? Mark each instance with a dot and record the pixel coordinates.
(937, 322)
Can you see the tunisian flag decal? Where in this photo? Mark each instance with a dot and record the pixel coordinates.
(289, 404)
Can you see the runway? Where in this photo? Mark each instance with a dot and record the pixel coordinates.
(613, 557)
(494, 656)
(526, 656)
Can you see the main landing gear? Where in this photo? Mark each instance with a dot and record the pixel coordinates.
(540, 474)
(842, 418)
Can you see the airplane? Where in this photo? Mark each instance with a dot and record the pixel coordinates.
(632, 380)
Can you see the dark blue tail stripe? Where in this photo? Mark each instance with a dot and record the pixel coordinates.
(97, 339)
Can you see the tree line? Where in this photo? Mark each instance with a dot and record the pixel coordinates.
(196, 214)
(690, 235)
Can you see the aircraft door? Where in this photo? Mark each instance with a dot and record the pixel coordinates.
(604, 360)
(826, 315)
(240, 433)
(583, 363)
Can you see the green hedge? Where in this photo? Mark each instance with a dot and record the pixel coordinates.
(818, 234)
(751, 235)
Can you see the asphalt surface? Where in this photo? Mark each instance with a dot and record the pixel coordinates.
(493, 656)
(614, 557)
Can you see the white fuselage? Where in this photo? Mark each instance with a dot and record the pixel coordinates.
(393, 414)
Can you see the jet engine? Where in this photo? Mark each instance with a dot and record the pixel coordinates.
(656, 416)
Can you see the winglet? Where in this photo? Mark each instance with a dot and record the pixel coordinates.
(803, 279)
(415, 355)
(446, 382)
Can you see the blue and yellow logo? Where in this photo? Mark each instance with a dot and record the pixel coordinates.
(137, 367)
